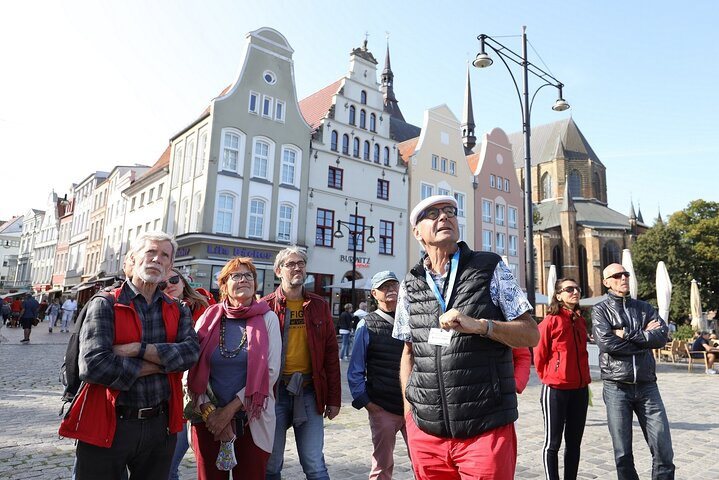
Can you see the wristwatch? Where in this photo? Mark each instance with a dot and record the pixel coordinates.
(490, 327)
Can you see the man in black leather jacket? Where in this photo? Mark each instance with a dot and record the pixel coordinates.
(626, 331)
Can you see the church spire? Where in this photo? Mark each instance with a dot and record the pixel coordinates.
(390, 101)
(470, 140)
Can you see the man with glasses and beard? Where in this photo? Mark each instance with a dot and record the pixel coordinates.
(626, 331)
(134, 345)
(309, 385)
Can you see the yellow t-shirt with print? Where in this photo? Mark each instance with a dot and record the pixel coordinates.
(297, 358)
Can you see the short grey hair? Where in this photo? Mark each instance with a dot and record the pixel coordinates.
(139, 243)
(286, 252)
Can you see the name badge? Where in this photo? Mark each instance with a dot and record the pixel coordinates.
(438, 336)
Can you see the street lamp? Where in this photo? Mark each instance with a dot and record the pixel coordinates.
(482, 61)
(354, 229)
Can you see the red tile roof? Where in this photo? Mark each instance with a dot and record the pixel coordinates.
(315, 107)
(162, 162)
(223, 92)
(407, 148)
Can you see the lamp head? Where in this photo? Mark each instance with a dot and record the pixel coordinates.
(560, 105)
(482, 60)
(339, 234)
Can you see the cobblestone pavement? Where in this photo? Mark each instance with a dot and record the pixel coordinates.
(30, 400)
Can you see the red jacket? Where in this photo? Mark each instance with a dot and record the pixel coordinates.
(92, 417)
(561, 357)
(200, 309)
(322, 340)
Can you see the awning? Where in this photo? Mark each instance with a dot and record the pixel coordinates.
(15, 294)
(360, 284)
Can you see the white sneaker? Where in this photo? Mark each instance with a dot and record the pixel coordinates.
(711, 371)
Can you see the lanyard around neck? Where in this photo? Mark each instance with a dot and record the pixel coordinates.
(448, 286)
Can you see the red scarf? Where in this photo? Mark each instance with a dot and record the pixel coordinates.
(258, 373)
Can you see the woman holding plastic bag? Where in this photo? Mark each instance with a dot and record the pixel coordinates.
(232, 383)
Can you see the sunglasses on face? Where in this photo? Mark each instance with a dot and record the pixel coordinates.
(618, 275)
(433, 213)
(237, 276)
(174, 280)
(571, 289)
(293, 265)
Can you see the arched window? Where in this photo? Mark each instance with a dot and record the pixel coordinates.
(376, 153)
(355, 147)
(386, 156)
(284, 223)
(346, 144)
(255, 227)
(365, 152)
(583, 275)
(352, 115)
(575, 184)
(261, 159)
(224, 213)
(596, 186)
(610, 253)
(557, 259)
(363, 97)
(372, 122)
(177, 164)
(187, 166)
(363, 119)
(546, 186)
(333, 140)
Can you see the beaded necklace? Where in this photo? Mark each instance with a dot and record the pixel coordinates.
(223, 350)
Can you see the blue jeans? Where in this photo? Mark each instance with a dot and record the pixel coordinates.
(623, 400)
(345, 348)
(309, 437)
(180, 449)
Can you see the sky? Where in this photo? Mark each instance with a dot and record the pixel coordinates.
(86, 85)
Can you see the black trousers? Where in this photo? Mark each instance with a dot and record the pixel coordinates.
(145, 447)
(565, 412)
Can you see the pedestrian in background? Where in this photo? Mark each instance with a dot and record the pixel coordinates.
(373, 374)
(52, 312)
(562, 364)
(68, 311)
(28, 314)
(345, 325)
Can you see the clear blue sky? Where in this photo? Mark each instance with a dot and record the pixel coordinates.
(88, 85)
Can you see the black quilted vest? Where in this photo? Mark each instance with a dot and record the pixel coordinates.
(383, 356)
(466, 388)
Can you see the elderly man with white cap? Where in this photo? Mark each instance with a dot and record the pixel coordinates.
(459, 312)
(373, 374)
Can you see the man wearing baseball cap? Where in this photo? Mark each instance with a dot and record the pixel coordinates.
(373, 374)
(459, 312)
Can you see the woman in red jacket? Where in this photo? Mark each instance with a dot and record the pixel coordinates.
(562, 365)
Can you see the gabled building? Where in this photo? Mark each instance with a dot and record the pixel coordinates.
(10, 232)
(238, 172)
(31, 226)
(574, 229)
(62, 250)
(356, 178)
(46, 243)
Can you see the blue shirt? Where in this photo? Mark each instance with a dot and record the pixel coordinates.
(356, 372)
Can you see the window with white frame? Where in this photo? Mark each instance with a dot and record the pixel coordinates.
(500, 215)
(487, 211)
(197, 212)
(255, 227)
(442, 191)
(487, 240)
(177, 164)
(187, 166)
(231, 155)
(435, 162)
(201, 154)
(386, 156)
(452, 167)
(287, 169)
(184, 216)
(501, 237)
(443, 164)
(225, 213)
(499, 183)
(284, 223)
(280, 111)
(460, 203)
(266, 106)
(512, 217)
(260, 159)
(506, 185)
(491, 181)
(513, 245)
(426, 190)
(254, 103)
(514, 268)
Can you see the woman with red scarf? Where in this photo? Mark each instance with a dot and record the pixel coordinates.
(231, 384)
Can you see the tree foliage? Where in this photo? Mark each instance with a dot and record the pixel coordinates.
(689, 246)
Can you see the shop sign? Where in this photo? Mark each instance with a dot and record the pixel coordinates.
(226, 251)
(360, 262)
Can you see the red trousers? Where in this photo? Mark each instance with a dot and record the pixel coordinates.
(251, 460)
(491, 455)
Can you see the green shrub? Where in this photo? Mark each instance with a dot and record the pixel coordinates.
(684, 332)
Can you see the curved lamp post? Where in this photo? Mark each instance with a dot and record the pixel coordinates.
(483, 60)
(354, 230)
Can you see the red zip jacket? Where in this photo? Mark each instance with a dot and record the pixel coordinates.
(324, 352)
(561, 357)
(92, 415)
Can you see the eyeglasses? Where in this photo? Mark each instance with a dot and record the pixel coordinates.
(433, 213)
(618, 275)
(237, 276)
(174, 280)
(293, 265)
(571, 289)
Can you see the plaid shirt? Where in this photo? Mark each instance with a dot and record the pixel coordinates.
(98, 364)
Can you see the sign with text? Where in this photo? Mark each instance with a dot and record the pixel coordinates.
(360, 262)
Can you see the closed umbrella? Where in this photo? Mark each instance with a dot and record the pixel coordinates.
(551, 280)
(664, 291)
(696, 306)
(629, 267)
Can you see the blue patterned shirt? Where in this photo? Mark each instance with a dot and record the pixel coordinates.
(504, 291)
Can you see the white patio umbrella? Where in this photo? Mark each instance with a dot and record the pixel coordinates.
(696, 307)
(664, 291)
(629, 267)
(551, 280)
